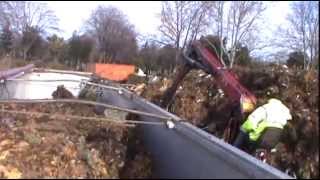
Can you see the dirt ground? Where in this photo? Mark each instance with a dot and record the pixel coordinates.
(36, 146)
(200, 101)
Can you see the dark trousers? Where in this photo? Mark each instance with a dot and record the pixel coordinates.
(268, 140)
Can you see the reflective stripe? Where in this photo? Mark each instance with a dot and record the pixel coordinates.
(255, 134)
(254, 119)
(247, 126)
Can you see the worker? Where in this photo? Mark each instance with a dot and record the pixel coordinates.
(263, 127)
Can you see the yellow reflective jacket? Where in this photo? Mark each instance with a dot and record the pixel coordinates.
(273, 114)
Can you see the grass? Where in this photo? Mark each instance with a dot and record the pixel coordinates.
(9, 62)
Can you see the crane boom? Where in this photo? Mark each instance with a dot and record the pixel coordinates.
(211, 63)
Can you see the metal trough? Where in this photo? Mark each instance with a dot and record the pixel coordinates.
(187, 151)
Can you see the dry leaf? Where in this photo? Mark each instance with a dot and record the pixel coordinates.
(4, 154)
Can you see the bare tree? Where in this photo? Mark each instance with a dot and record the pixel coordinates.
(242, 17)
(56, 48)
(114, 34)
(181, 22)
(80, 47)
(148, 57)
(24, 14)
(27, 19)
(302, 31)
(304, 22)
(236, 22)
(30, 38)
(217, 18)
(217, 14)
(6, 37)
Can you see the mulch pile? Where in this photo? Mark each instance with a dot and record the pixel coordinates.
(45, 146)
(200, 101)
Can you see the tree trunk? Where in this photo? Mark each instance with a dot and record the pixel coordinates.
(55, 59)
(24, 54)
(232, 58)
(177, 57)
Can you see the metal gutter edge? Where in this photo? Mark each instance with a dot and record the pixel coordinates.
(15, 72)
(64, 72)
(187, 151)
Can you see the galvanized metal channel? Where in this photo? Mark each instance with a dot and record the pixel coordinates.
(187, 151)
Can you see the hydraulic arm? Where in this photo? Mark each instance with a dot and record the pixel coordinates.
(201, 57)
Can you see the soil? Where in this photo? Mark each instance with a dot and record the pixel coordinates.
(62, 92)
(37, 146)
(200, 101)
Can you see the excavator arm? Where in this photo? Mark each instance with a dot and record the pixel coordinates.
(226, 79)
(200, 57)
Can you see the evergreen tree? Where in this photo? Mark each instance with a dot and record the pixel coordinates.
(6, 39)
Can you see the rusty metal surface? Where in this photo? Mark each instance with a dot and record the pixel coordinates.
(225, 78)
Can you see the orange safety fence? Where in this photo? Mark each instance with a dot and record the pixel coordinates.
(114, 72)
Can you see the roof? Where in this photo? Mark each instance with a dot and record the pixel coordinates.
(115, 72)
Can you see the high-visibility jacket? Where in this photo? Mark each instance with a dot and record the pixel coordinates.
(273, 114)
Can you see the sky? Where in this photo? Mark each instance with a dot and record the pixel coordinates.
(72, 14)
(144, 15)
